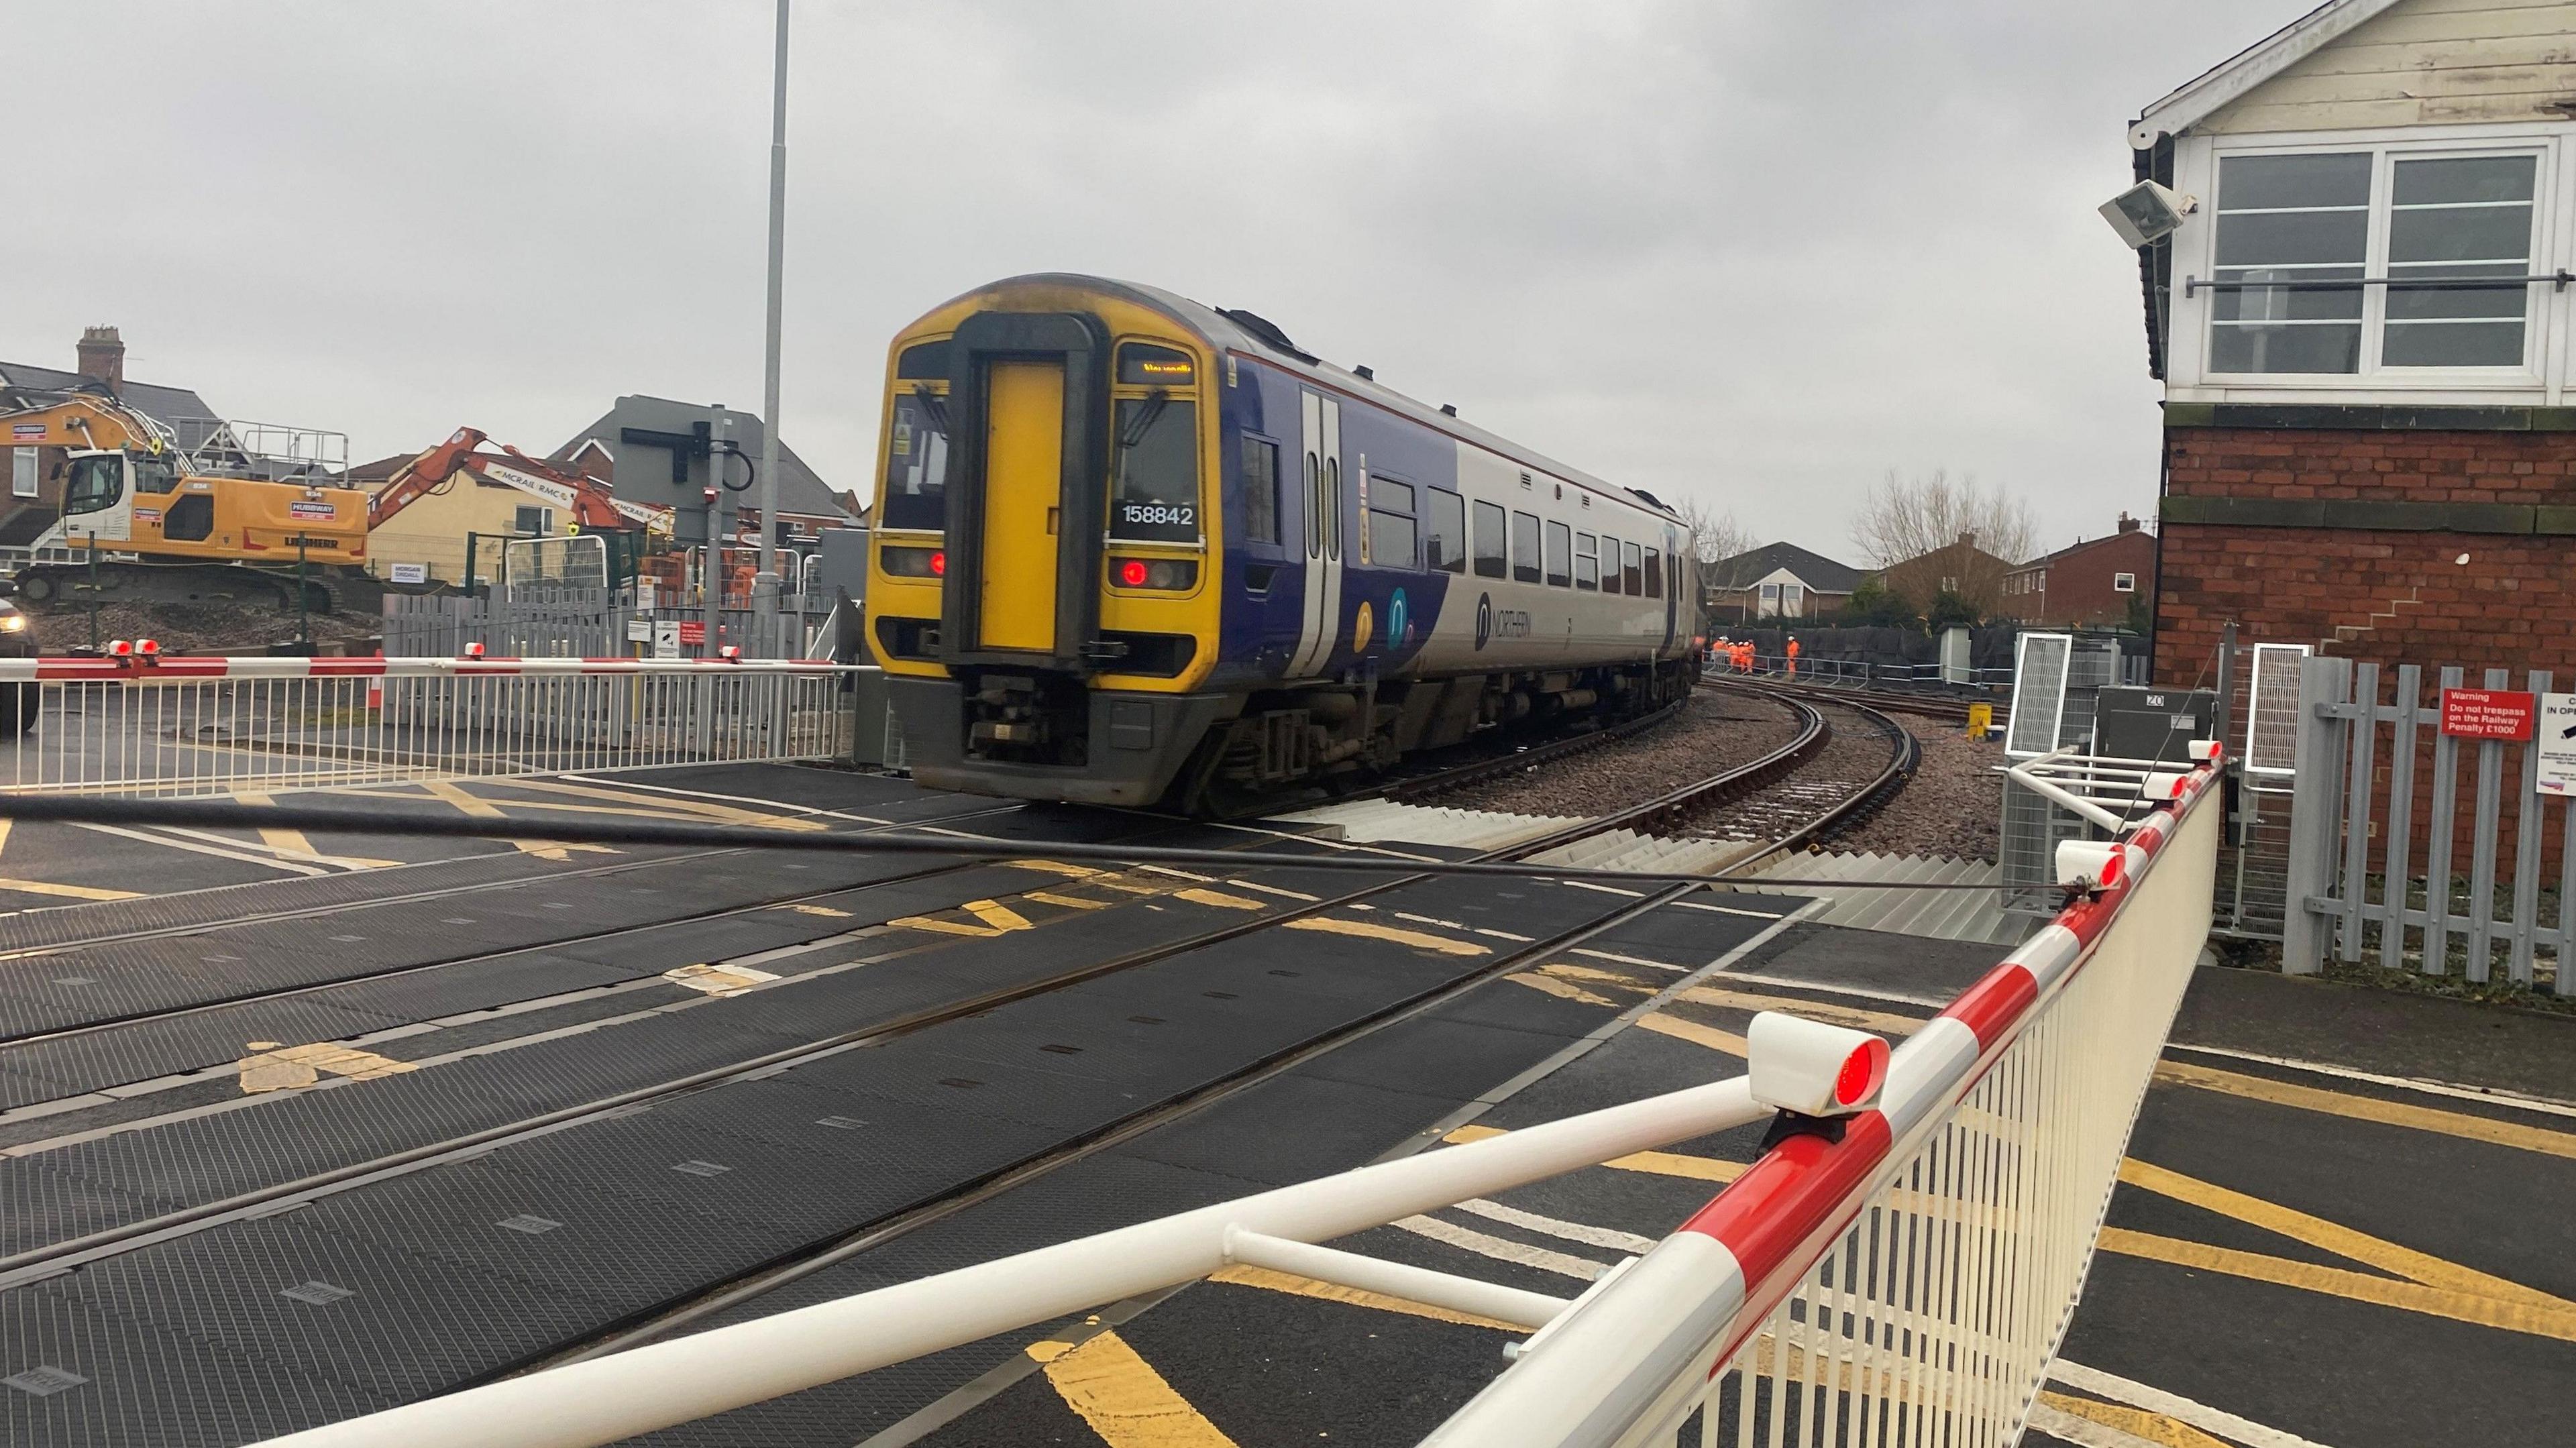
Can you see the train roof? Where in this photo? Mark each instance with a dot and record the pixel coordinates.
(1246, 332)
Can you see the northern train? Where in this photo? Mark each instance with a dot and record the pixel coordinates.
(1133, 550)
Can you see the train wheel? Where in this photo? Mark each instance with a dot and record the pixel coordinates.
(36, 587)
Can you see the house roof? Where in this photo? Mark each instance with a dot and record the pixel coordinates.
(2230, 79)
(2079, 546)
(23, 385)
(800, 488)
(1819, 573)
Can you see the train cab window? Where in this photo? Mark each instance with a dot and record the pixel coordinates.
(922, 362)
(1609, 564)
(1260, 491)
(1654, 574)
(1632, 565)
(1525, 547)
(1390, 523)
(916, 480)
(1491, 528)
(1560, 556)
(1444, 531)
(1587, 562)
(1154, 479)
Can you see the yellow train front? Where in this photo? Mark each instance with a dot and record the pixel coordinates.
(1133, 550)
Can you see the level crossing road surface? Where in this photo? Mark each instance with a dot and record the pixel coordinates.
(202, 1240)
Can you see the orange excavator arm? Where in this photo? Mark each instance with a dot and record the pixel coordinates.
(421, 476)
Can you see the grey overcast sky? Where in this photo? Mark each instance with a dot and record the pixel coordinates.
(1756, 253)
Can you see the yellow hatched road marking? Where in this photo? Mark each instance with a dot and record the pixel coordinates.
(718, 980)
(2368, 1108)
(1562, 990)
(997, 915)
(1653, 1163)
(1695, 1033)
(1069, 902)
(826, 911)
(2466, 1307)
(2334, 1237)
(295, 842)
(1055, 867)
(1270, 1281)
(1367, 930)
(1217, 898)
(2137, 1424)
(1120, 1395)
(68, 892)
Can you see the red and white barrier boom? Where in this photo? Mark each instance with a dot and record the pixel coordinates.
(1900, 1266)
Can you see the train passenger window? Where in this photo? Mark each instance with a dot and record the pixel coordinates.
(1444, 531)
(1525, 547)
(1587, 562)
(1390, 523)
(1560, 555)
(1314, 506)
(1154, 480)
(1634, 567)
(1609, 564)
(1490, 529)
(916, 480)
(1654, 574)
(1260, 491)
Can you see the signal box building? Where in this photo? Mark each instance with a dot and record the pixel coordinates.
(2364, 328)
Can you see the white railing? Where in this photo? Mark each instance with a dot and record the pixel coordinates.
(1897, 1270)
(186, 726)
(1902, 1274)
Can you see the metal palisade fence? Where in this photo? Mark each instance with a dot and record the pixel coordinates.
(1897, 1267)
(2424, 832)
(196, 726)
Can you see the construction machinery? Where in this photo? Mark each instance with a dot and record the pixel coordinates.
(147, 517)
(631, 530)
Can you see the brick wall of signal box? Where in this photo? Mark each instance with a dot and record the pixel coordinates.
(2512, 605)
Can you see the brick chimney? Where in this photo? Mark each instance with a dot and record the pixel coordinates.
(102, 356)
(2128, 524)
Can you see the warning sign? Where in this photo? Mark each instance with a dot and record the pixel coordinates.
(694, 631)
(2555, 744)
(2488, 713)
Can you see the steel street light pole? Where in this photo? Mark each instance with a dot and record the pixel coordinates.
(765, 584)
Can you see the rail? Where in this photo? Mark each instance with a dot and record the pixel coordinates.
(133, 722)
(1907, 1253)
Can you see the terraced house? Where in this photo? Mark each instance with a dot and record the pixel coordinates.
(2363, 324)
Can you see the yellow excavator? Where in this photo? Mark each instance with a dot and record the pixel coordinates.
(144, 521)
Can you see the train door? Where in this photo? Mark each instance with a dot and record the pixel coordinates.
(1023, 472)
(1321, 475)
(1671, 564)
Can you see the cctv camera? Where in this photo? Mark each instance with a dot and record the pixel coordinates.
(2147, 213)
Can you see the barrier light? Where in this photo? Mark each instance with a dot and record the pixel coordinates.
(1812, 1068)
(474, 651)
(148, 648)
(121, 648)
(730, 653)
(2208, 751)
(2161, 785)
(2100, 863)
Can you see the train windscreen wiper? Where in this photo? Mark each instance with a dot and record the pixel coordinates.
(1141, 421)
(933, 404)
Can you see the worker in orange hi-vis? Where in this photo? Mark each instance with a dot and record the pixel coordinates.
(1793, 656)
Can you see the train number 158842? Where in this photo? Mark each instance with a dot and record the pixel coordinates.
(1182, 515)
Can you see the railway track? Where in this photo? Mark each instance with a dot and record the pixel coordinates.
(1950, 707)
(1842, 778)
(385, 1161)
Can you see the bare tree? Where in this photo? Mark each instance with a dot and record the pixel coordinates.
(1713, 535)
(1932, 534)
(1709, 537)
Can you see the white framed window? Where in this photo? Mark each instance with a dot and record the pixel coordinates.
(1770, 607)
(2124, 583)
(1793, 600)
(22, 472)
(2403, 259)
(1949, 585)
(534, 521)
